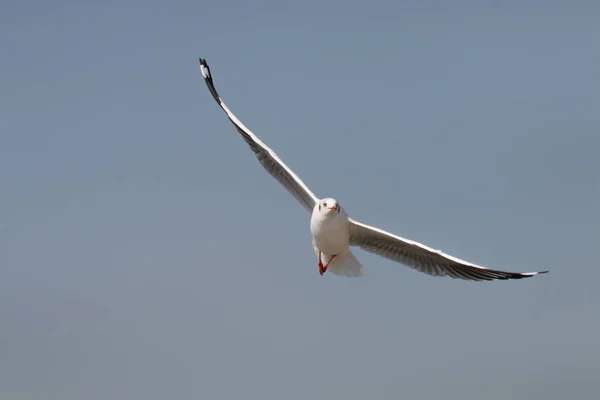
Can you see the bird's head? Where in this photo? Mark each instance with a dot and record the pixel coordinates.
(328, 207)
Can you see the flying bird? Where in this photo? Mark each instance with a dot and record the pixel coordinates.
(334, 232)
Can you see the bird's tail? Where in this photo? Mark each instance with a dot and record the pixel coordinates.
(346, 264)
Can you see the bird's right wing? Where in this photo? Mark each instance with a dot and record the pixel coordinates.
(265, 155)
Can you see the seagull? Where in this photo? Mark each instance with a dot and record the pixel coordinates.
(334, 232)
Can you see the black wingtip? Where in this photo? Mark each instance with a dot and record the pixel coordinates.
(205, 69)
(204, 63)
(206, 74)
(535, 274)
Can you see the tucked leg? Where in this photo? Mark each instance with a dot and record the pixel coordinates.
(323, 268)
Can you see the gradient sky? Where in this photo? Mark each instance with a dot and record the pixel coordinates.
(145, 254)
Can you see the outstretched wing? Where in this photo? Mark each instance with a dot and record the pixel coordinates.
(265, 155)
(421, 257)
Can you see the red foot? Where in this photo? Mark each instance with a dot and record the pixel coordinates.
(322, 268)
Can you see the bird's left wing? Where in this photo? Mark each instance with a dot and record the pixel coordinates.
(265, 155)
(421, 257)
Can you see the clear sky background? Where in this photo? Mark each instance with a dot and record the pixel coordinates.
(145, 253)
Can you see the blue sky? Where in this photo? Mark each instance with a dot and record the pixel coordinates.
(145, 254)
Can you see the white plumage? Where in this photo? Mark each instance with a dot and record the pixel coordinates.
(333, 231)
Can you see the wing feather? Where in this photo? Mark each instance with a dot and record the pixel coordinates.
(423, 258)
(267, 157)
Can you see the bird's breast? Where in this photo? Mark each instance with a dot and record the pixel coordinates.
(331, 235)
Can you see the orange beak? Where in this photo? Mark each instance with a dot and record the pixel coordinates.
(332, 208)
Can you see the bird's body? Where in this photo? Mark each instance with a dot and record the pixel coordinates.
(329, 230)
(334, 232)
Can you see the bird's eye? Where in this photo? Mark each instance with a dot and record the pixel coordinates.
(325, 204)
